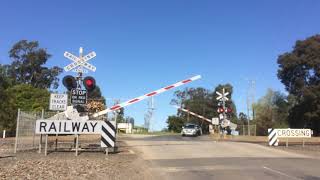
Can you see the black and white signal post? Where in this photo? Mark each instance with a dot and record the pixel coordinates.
(78, 95)
(79, 65)
(223, 98)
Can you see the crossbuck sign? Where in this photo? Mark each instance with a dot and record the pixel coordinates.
(80, 62)
(222, 96)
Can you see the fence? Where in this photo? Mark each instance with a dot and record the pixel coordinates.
(26, 138)
(245, 130)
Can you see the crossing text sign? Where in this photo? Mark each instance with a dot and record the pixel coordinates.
(58, 102)
(293, 133)
(68, 127)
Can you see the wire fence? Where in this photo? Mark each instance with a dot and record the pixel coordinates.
(25, 131)
(247, 130)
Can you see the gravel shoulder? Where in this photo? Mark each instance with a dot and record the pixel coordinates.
(65, 165)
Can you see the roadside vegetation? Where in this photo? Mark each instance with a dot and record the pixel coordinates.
(299, 107)
(25, 83)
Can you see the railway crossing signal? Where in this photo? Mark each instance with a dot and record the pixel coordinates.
(69, 82)
(80, 62)
(89, 83)
(222, 96)
(221, 110)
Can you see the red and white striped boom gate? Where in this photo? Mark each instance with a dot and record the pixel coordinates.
(194, 114)
(153, 93)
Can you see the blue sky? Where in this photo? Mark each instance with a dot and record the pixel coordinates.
(144, 45)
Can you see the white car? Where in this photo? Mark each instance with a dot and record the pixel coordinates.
(191, 130)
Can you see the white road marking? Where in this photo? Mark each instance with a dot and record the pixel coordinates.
(202, 168)
(281, 173)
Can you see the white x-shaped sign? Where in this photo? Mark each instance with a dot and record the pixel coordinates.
(78, 61)
(222, 96)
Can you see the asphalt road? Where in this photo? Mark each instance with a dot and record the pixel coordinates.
(176, 157)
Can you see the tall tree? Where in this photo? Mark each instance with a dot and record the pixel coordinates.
(27, 67)
(271, 112)
(243, 119)
(299, 71)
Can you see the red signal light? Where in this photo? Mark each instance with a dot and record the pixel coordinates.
(220, 110)
(89, 83)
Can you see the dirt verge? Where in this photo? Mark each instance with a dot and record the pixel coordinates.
(65, 165)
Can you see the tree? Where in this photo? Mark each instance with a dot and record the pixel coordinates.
(243, 119)
(96, 102)
(271, 112)
(22, 96)
(299, 71)
(7, 104)
(8, 111)
(27, 65)
(175, 123)
(196, 100)
(96, 95)
(28, 98)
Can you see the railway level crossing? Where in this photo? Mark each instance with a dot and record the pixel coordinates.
(76, 124)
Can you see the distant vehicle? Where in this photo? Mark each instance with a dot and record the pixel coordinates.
(191, 130)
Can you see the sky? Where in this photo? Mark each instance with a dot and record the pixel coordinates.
(144, 45)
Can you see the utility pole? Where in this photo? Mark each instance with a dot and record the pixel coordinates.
(248, 114)
(149, 116)
(152, 113)
(250, 101)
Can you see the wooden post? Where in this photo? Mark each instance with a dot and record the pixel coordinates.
(40, 143)
(255, 130)
(56, 142)
(77, 144)
(107, 153)
(243, 132)
(303, 142)
(57, 134)
(40, 139)
(4, 134)
(17, 132)
(46, 146)
(287, 142)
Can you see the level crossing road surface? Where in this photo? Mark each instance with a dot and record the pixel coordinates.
(176, 157)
